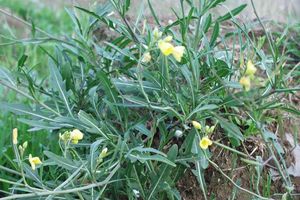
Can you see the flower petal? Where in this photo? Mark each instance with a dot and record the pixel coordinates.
(165, 47)
(245, 82)
(178, 52)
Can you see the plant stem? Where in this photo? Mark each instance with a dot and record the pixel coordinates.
(39, 194)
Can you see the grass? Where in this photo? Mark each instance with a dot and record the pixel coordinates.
(48, 20)
(56, 23)
(115, 125)
(40, 14)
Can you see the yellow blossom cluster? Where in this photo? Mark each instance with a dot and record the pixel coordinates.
(205, 142)
(245, 80)
(34, 161)
(73, 136)
(167, 48)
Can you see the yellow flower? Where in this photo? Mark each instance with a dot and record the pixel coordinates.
(165, 47)
(15, 136)
(34, 161)
(157, 34)
(75, 141)
(245, 82)
(75, 136)
(178, 52)
(205, 142)
(146, 57)
(250, 69)
(196, 125)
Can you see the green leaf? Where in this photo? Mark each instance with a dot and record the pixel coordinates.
(33, 175)
(93, 155)
(126, 6)
(111, 92)
(124, 52)
(143, 154)
(58, 85)
(153, 12)
(231, 129)
(142, 129)
(6, 75)
(25, 110)
(131, 86)
(75, 20)
(200, 164)
(61, 161)
(22, 60)
(232, 13)
(215, 34)
(90, 122)
(201, 108)
(207, 23)
(40, 125)
(164, 172)
(212, 4)
(143, 158)
(251, 162)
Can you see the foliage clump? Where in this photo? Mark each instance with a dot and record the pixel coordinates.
(132, 115)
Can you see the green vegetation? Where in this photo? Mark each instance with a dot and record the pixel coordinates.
(50, 19)
(146, 111)
(47, 19)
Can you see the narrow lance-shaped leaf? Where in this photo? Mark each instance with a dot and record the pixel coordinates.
(5, 75)
(231, 129)
(59, 85)
(25, 110)
(61, 161)
(90, 122)
(232, 13)
(215, 34)
(164, 172)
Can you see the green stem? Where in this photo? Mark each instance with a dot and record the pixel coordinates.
(165, 74)
(230, 149)
(74, 190)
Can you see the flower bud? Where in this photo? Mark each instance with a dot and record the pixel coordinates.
(15, 136)
(103, 153)
(146, 57)
(25, 144)
(196, 125)
(157, 34)
(250, 69)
